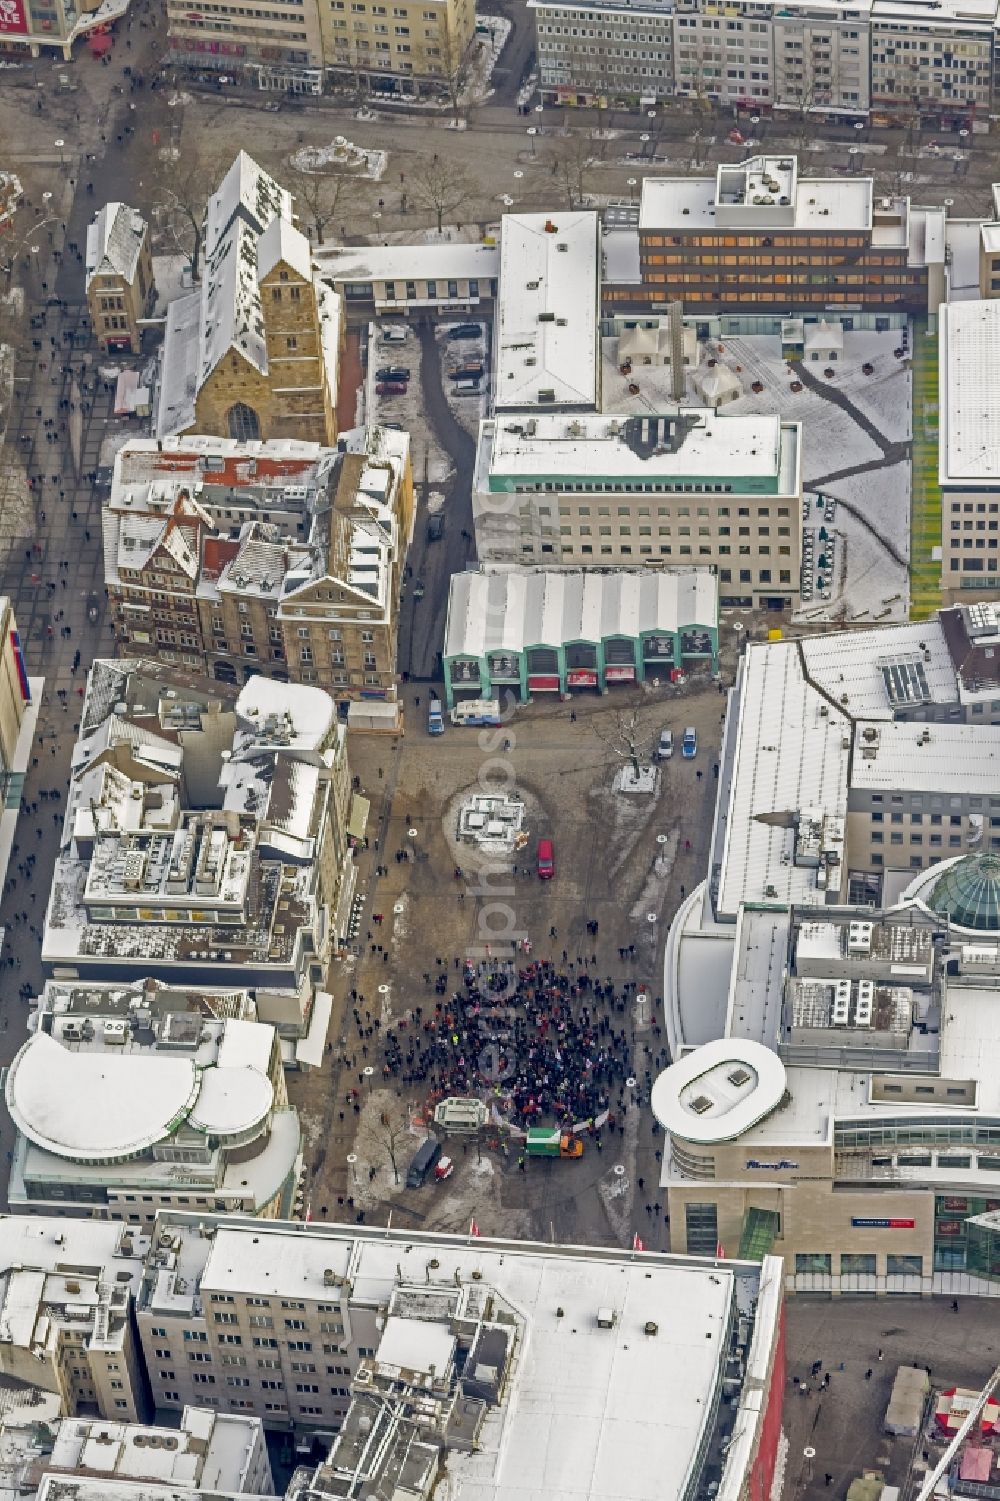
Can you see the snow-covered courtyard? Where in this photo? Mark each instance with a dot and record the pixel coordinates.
(856, 429)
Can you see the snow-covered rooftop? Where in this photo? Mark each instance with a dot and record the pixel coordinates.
(969, 416)
(455, 261)
(546, 328)
(763, 192)
(791, 754)
(511, 609)
(114, 240)
(289, 715)
(689, 443)
(920, 757)
(118, 1101)
(601, 1436)
(246, 192)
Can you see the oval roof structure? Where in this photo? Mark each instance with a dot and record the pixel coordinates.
(232, 1101)
(718, 1091)
(93, 1106)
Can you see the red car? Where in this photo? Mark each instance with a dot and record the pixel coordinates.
(391, 388)
(546, 861)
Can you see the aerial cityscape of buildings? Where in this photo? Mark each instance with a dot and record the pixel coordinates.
(500, 744)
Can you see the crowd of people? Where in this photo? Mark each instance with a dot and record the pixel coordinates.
(545, 1043)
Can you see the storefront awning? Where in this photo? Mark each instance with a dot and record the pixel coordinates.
(358, 822)
(309, 1049)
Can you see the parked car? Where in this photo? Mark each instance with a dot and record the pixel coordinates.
(435, 527)
(471, 370)
(392, 372)
(665, 745)
(393, 334)
(391, 388)
(466, 388)
(465, 331)
(425, 1157)
(689, 744)
(444, 1169)
(546, 860)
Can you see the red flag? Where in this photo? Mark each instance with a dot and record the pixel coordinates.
(638, 1244)
(473, 1228)
(720, 1250)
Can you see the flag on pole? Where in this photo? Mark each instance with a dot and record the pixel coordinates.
(720, 1251)
(473, 1228)
(638, 1244)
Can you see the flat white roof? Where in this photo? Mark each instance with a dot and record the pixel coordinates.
(593, 446)
(455, 261)
(718, 1091)
(834, 204)
(89, 1106)
(792, 753)
(416, 1345)
(969, 405)
(921, 757)
(546, 329)
(851, 666)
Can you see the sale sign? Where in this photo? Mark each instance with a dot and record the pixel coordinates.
(12, 18)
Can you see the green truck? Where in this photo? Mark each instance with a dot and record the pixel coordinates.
(544, 1142)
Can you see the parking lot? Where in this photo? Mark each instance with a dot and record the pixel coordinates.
(618, 859)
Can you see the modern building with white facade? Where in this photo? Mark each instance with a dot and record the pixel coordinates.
(969, 448)
(830, 988)
(460, 1343)
(684, 488)
(120, 1115)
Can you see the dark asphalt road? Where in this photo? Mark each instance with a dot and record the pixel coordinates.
(422, 621)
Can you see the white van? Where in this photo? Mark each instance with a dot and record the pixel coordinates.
(393, 333)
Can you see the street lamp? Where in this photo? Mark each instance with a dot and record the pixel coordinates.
(532, 132)
(59, 147)
(963, 136)
(352, 1163)
(631, 189)
(644, 140)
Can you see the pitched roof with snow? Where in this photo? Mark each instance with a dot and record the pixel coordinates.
(282, 242)
(246, 192)
(510, 609)
(114, 240)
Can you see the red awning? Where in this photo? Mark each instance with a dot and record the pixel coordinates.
(99, 43)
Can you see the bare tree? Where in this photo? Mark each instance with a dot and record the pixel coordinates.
(452, 71)
(570, 161)
(442, 187)
(324, 196)
(184, 181)
(385, 1131)
(623, 737)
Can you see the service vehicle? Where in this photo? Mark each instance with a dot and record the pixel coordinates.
(424, 1159)
(392, 372)
(391, 388)
(544, 1141)
(546, 860)
(473, 711)
(465, 331)
(435, 718)
(689, 745)
(665, 745)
